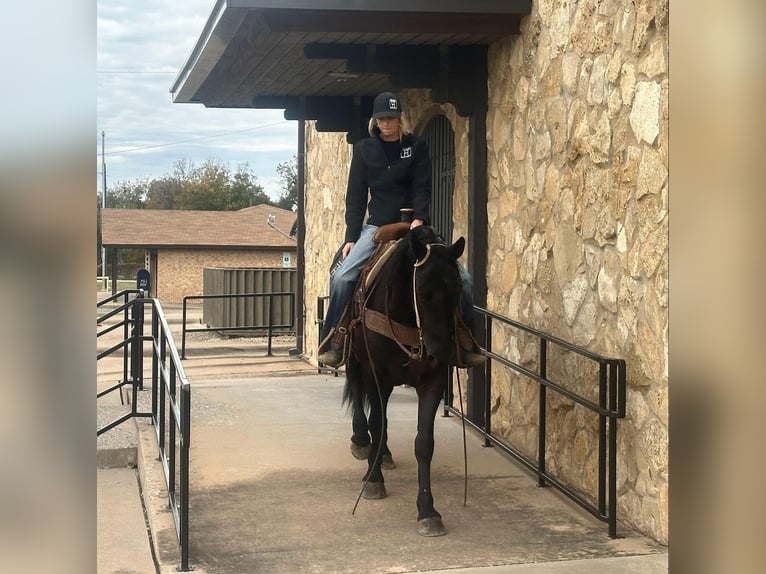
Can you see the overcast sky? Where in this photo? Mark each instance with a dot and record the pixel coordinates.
(142, 45)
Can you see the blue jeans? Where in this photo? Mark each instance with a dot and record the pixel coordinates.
(343, 281)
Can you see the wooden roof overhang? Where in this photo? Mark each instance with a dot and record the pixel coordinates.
(326, 59)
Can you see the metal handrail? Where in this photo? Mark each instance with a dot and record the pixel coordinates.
(171, 398)
(610, 407)
(132, 325)
(171, 416)
(269, 327)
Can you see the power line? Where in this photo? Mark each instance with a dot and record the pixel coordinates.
(195, 139)
(134, 72)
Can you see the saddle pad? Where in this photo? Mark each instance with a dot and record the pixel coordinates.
(379, 259)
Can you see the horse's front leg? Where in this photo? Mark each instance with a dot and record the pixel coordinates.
(374, 485)
(429, 395)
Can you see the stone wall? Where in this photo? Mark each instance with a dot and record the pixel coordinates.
(577, 131)
(179, 271)
(328, 157)
(578, 216)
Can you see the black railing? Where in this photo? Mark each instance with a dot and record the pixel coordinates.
(129, 318)
(170, 399)
(610, 406)
(269, 327)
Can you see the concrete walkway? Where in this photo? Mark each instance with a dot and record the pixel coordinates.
(273, 485)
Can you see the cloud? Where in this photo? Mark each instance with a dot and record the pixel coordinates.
(142, 45)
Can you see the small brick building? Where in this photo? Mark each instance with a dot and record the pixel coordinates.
(179, 244)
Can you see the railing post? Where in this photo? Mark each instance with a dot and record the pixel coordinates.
(126, 335)
(602, 462)
(136, 348)
(488, 383)
(155, 361)
(612, 451)
(543, 394)
(271, 324)
(183, 330)
(320, 322)
(183, 510)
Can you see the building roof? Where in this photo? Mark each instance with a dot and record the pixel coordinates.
(326, 59)
(251, 48)
(247, 228)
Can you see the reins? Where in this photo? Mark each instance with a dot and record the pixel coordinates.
(416, 354)
(418, 265)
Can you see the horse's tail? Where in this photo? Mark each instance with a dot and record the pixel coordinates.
(354, 395)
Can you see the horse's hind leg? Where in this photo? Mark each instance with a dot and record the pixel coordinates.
(429, 520)
(360, 440)
(354, 395)
(374, 485)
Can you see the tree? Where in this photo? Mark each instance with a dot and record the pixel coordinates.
(163, 192)
(288, 173)
(244, 191)
(128, 194)
(206, 188)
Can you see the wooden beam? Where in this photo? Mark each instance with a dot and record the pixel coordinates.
(382, 22)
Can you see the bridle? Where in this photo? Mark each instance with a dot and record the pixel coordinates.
(416, 353)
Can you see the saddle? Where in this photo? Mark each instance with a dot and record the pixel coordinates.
(407, 337)
(386, 239)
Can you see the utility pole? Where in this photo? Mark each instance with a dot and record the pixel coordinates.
(103, 205)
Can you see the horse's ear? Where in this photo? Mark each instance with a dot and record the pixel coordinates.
(457, 247)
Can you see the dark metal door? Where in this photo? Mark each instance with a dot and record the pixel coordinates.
(440, 138)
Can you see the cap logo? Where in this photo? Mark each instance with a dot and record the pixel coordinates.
(393, 104)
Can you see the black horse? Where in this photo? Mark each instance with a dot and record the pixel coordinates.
(405, 335)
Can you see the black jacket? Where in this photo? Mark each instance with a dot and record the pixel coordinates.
(406, 182)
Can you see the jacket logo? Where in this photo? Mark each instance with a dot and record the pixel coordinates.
(406, 152)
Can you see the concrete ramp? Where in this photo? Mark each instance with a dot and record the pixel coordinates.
(273, 485)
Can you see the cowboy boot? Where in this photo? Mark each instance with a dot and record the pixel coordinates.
(469, 350)
(336, 343)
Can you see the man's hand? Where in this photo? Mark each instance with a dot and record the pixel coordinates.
(416, 223)
(346, 248)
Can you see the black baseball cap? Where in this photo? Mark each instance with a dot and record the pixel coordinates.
(386, 105)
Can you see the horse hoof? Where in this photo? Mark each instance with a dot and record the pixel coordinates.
(360, 452)
(432, 526)
(374, 490)
(387, 462)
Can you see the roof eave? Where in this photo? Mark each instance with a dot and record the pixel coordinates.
(219, 30)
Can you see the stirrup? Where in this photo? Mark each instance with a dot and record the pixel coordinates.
(332, 358)
(468, 351)
(337, 344)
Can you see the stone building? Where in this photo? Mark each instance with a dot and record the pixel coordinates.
(556, 112)
(180, 244)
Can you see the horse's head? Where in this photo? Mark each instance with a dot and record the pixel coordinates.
(438, 290)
